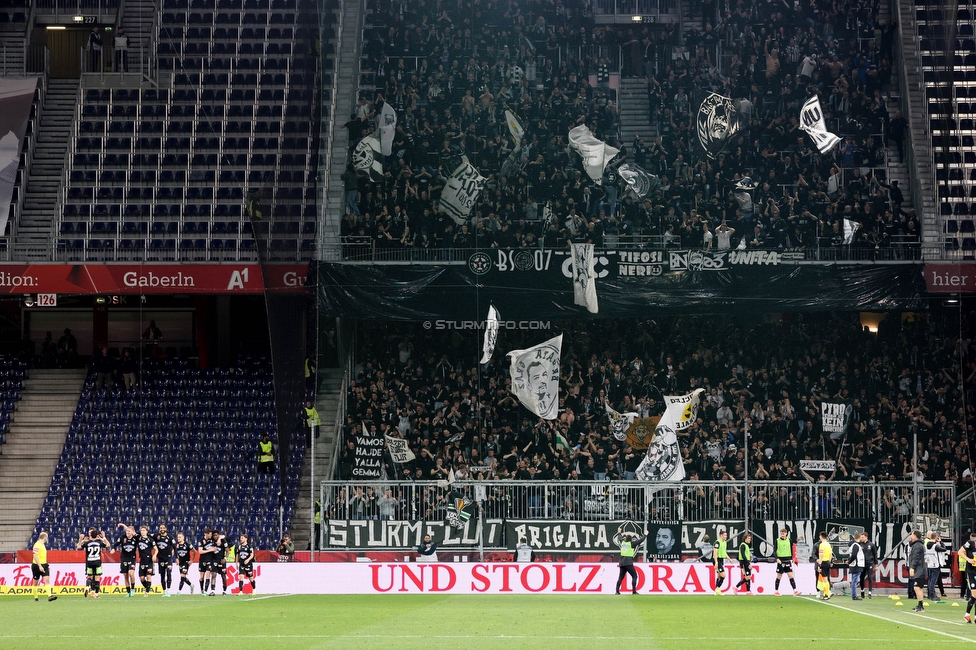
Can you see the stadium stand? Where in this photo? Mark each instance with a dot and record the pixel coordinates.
(180, 450)
(449, 80)
(173, 173)
(769, 376)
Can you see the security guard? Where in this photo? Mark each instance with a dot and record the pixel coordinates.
(317, 520)
(265, 455)
(312, 420)
(628, 543)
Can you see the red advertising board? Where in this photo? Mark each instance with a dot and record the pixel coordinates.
(168, 279)
(950, 278)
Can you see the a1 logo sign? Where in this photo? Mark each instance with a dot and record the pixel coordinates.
(47, 300)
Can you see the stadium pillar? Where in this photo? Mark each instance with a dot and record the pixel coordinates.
(99, 325)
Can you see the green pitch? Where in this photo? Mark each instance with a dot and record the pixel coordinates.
(454, 622)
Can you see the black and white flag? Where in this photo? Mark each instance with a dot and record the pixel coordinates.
(812, 121)
(743, 194)
(535, 377)
(850, 230)
(399, 450)
(595, 153)
(515, 127)
(584, 277)
(619, 422)
(641, 182)
(513, 163)
(461, 191)
(366, 158)
(834, 418)
(387, 126)
(491, 335)
(716, 123)
(663, 460)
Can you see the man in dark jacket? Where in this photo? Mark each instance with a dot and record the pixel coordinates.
(870, 551)
(628, 543)
(917, 575)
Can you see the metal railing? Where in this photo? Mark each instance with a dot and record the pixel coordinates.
(885, 503)
(327, 138)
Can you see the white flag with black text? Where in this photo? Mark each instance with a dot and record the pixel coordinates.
(399, 450)
(663, 461)
(535, 377)
(491, 335)
(461, 191)
(387, 124)
(850, 230)
(584, 277)
(812, 121)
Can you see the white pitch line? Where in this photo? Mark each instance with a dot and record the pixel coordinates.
(502, 637)
(896, 621)
(271, 596)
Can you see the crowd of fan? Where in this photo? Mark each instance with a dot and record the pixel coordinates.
(460, 418)
(450, 72)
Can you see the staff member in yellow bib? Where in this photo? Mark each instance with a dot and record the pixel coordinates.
(745, 563)
(39, 568)
(720, 556)
(266, 456)
(825, 553)
(628, 543)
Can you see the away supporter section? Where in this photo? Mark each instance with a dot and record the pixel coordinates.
(690, 578)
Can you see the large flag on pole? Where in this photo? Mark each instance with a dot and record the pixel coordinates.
(619, 422)
(514, 127)
(388, 122)
(663, 460)
(850, 230)
(491, 335)
(535, 377)
(595, 153)
(716, 123)
(812, 121)
(584, 277)
(366, 157)
(461, 191)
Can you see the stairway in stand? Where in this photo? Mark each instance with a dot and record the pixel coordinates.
(635, 112)
(30, 456)
(327, 404)
(35, 231)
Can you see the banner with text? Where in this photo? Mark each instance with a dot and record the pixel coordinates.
(367, 457)
(691, 578)
(373, 533)
(532, 284)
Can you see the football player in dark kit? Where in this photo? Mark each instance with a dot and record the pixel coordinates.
(164, 552)
(219, 562)
(126, 544)
(148, 556)
(967, 554)
(206, 560)
(184, 555)
(245, 563)
(93, 544)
